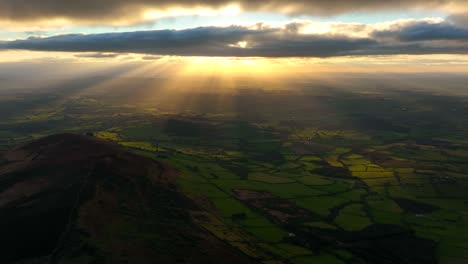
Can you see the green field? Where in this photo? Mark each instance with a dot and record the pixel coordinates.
(317, 181)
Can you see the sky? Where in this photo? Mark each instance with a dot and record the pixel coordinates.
(408, 32)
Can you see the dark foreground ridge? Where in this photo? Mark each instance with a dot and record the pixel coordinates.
(77, 199)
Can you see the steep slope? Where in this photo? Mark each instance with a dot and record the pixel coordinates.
(76, 199)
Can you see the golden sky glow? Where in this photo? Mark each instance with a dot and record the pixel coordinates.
(151, 66)
(229, 10)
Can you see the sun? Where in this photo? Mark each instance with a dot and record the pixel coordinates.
(231, 65)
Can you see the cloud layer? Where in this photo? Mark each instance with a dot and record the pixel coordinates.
(425, 31)
(291, 40)
(134, 11)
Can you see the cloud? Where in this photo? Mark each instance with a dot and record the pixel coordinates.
(292, 40)
(120, 12)
(152, 58)
(425, 31)
(459, 19)
(98, 55)
(204, 41)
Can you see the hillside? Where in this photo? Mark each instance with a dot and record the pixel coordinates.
(77, 199)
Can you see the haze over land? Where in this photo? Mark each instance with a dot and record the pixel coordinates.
(272, 132)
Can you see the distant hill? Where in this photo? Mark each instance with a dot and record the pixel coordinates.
(77, 199)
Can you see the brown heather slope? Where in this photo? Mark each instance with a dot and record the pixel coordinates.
(76, 199)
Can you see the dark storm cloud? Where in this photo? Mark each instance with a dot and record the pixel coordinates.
(107, 10)
(423, 31)
(416, 38)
